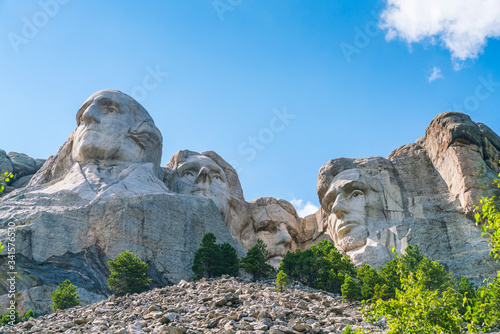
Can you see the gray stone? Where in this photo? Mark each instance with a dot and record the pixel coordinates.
(22, 163)
(423, 195)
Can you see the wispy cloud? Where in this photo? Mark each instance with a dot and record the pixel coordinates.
(461, 26)
(304, 210)
(436, 74)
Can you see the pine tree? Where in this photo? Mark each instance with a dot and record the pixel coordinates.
(282, 281)
(65, 296)
(230, 260)
(255, 263)
(128, 274)
(350, 289)
(208, 259)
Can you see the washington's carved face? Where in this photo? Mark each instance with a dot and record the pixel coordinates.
(345, 202)
(200, 175)
(104, 121)
(278, 229)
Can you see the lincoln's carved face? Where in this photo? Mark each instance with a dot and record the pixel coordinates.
(200, 175)
(278, 229)
(345, 202)
(104, 122)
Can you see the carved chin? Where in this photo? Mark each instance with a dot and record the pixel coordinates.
(349, 243)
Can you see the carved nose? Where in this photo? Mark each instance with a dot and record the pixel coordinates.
(284, 237)
(90, 115)
(339, 208)
(204, 176)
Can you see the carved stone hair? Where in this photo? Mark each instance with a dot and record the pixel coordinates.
(372, 169)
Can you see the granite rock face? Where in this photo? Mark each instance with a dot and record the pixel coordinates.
(423, 194)
(21, 166)
(104, 192)
(101, 194)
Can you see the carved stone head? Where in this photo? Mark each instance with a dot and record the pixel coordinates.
(206, 174)
(112, 130)
(113, 127)
(359, 197)
(276, 222)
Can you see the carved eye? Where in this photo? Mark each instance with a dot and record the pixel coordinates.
(293, 233)
(356, 193)
(268, 228)
(330, 207)
(217, 177)
(188, 173)
(112, 110)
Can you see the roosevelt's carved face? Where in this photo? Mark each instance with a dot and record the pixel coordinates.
(199, 175)
(278, 229)
(345, 202)
(104, 121)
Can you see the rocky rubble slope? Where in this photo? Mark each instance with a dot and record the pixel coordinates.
(228, 305)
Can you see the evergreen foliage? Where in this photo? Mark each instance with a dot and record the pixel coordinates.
(7, 320)
(208, 258)
(255, 262)
(350, 289)
(320, 267)
(282, 281)
(212, 260)
(65, 296)
(29, 314)
(369, 278)
(230, 260)
(128, 274)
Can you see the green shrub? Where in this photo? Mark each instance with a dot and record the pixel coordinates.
(282, 281)
(483, 309)
(320, 267)
(5, 177)
(418, 310)
(10, 319)
(348, 330)
(29, 314)
(65, 296)
(368, 279)
(256, 263)
(128, 274)
(382, 292)
(350, 289)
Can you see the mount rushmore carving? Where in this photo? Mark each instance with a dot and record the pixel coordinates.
(105, 192)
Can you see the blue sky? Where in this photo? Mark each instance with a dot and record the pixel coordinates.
(215, 74)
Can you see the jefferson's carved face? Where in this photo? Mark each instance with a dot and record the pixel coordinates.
(104, 121)
(199, 175)
(345, 202)
(278, 229)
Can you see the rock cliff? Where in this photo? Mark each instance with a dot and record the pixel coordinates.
(104, 192)
(424, 194)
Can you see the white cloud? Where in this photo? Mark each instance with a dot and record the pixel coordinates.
(436, 74)
(304, 210)
(461, 26)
